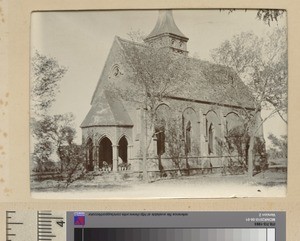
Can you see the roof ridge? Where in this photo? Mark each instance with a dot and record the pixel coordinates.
(130, 41)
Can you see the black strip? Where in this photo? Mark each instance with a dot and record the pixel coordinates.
(78, 234)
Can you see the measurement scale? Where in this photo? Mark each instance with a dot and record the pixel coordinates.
(40, 226)
(47, 225)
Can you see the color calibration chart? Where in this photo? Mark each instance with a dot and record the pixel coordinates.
(176, 226)
(47, 225)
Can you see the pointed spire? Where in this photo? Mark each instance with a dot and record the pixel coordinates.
(165, 25)
(166, 34)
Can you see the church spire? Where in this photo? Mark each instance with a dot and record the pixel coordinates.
(167, 34)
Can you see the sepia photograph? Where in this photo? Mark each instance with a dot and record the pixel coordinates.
(169, 103)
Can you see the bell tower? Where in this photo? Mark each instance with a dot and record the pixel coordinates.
(166, 34)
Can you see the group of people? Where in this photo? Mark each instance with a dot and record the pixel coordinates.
(122, 166)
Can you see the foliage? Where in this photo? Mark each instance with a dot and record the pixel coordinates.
(42, 154)
(261, 62)
(270, 15)
(237, 139)
(72, 157)
(236, 145)
(266, 15)
(52, 132)
(176, 144)
(280, 147)
(46, 74)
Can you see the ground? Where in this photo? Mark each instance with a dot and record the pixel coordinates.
(108, 185)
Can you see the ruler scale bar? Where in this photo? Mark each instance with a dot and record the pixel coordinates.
(8, 223)
(44, 222)
(50, 218)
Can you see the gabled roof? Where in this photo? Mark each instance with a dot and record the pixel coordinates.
(109, 111)
(213, 82)
(165, 25)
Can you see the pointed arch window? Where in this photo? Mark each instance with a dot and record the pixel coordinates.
(162, 112)
(160, 135)
(188, 139)
(211, 139)
(89, 155)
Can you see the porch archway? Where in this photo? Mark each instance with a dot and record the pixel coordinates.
(105, 153)
(123, 149)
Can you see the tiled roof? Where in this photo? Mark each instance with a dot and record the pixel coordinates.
(213, 82)
(109, 111)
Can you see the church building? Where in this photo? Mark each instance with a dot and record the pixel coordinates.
(112, 129)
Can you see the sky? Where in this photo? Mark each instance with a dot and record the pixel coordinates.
(81, 40)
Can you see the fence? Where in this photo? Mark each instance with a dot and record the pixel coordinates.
(196, 164)
(46, 175)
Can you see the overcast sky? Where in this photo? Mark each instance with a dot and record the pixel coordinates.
(81, 40)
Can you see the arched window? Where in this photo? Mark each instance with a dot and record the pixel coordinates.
(189, 128)
(211, 139)
(89, 152)
(160, 135)
(188, 139)
(162, 114)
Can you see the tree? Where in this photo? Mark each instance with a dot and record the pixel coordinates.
(154, 73)
(71, 157)
(50, 132)
(46, 76)
(270, 15)
(279, 149)
(266, 15)
(176, 148)
(261, 62)
(53, 134)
